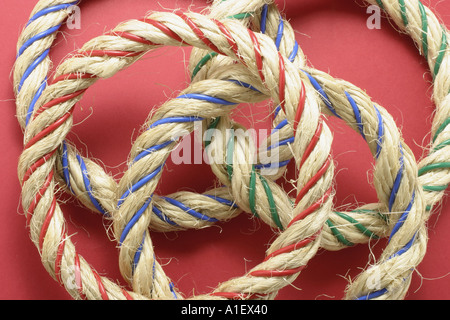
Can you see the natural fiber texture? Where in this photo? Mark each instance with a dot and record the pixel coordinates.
(395, 171)
(204, 65)
(437, 46)
(430, 35)
(131, 203)
(432, 39)
(434, 189)
(336, 91)
(58, 252)
(94, 187)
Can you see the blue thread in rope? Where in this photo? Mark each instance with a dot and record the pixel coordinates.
(37, 37)
(162, 216)
(31, 67)
(152, 149)
(133, 220)
(139, 184)
(204, 97)
(380, 132)
(87, 185)
(190, 211)
(357, 114)
(48, 10)
(397, 181)
(174, 120)
(222, 200)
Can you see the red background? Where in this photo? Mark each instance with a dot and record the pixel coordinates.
(334, 36)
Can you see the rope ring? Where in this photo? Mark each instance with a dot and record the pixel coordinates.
(377, 127)
(96, 53)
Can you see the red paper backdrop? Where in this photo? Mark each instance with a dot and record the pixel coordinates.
(334, 36)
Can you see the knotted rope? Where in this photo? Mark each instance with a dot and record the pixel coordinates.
(125, 45)
(75, 75)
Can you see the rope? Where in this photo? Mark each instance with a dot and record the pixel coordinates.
(140, 180)
(391, 170)
(269, 64)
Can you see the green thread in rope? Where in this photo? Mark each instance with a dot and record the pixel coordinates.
(208, 138)
(403, 12)
(435, 166)
(379, 214)
(441, 128)
(272, 204)
(202, 62)
(209, 56)
(251, 193)
(229, 157)
(440, 165)
(424, 18)
(240, 16)
(335, 231)
(380, 4)
(435, 188)
(442, 51)
(441, 145)
(357, 225)
(271, 200)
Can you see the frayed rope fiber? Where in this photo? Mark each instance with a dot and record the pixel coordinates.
(243, 52)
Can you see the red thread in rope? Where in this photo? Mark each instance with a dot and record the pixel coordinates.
(57, 101)
(312, 208)
(132, 37)
(100, 285)
(46, 223)
(72, 76)
(320, 173)
(36, 165)
(49, 129)
(78, 282)
(312, 144)
(300, 244)
(110, 53)
(166, 30)
(59, 255)
(230, 39)
(258, 57)
(198, 31)
(276, 273)
(300, 108)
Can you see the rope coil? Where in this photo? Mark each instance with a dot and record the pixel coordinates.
(270, 64)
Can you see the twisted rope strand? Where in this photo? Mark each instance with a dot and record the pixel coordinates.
(151, 135)
(120, 61)
(90, 198)
(431, 37)
(433, 192)
(391, 192)
(82, 176)
(358, 117)
(272, 24)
